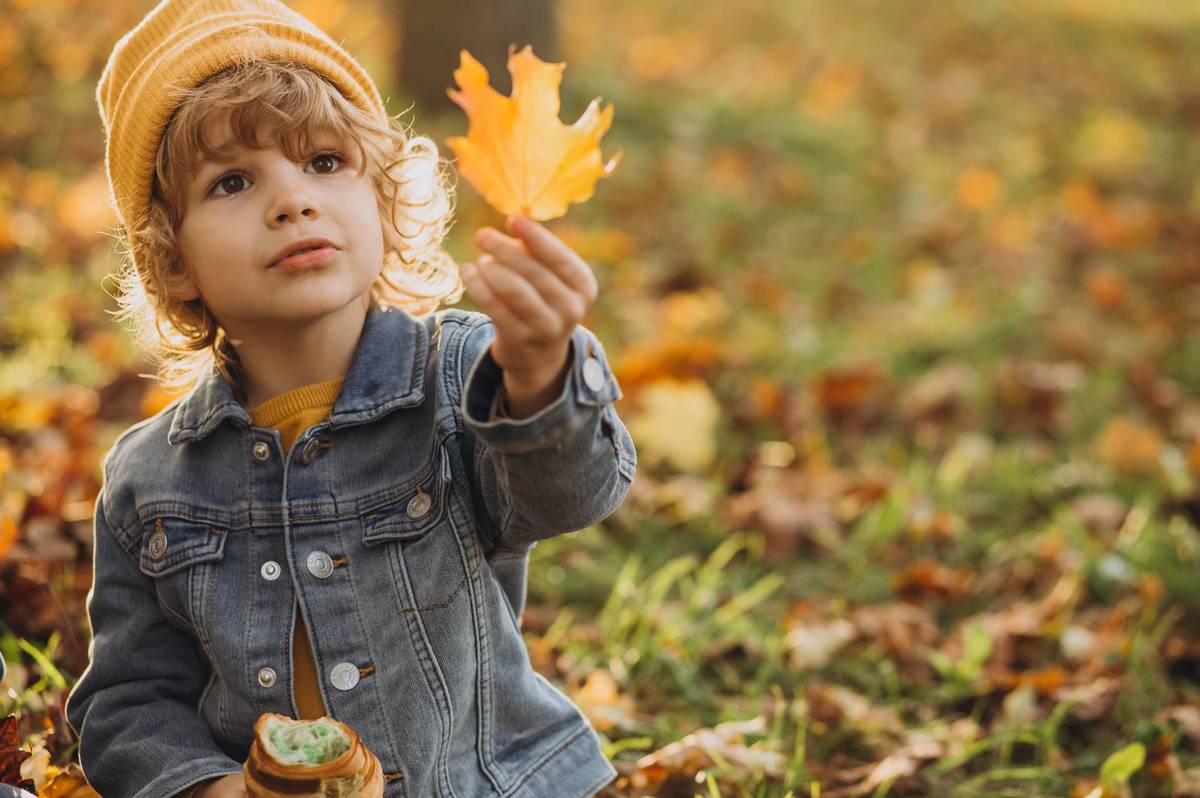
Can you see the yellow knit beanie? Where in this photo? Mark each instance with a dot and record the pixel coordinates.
(176, 47)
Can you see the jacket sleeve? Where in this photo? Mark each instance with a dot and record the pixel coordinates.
(565, 467)
(135, 708)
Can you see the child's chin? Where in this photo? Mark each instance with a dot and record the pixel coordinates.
(317, 308)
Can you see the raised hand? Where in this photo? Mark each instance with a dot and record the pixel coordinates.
(536, 289)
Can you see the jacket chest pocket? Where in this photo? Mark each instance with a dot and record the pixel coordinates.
(416, 532)
(179, 554)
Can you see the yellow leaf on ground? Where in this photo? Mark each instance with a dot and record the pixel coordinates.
(68, 783)
(677, 424)
(1129, 446)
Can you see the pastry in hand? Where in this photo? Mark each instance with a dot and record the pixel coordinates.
(320, 758)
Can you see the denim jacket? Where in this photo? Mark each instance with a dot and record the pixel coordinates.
(400, 525)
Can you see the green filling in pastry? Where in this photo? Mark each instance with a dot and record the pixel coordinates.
(305, 742)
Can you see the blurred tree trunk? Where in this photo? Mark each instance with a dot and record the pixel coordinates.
(432, 34)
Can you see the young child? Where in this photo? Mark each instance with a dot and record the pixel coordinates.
(337, 517)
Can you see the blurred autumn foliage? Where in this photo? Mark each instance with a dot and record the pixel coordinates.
(904, 300)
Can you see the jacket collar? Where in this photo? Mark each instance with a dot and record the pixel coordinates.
(387, 372)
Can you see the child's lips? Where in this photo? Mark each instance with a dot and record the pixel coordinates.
(304, 260)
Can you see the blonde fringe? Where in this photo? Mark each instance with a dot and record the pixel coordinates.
(279, 103)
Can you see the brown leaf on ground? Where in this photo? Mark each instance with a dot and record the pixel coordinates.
(1092, 699)
(938, 400)
(1032, 395)
(11, 755)
(906, 631)
(852, 396)
(661, 772)
(834, 706)
(1021, 635)
(793, 508)
(931, 580)
(917, 748)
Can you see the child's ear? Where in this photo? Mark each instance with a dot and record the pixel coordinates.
(180, 286)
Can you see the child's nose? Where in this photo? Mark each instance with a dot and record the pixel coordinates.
(291, 206)
(295, 212)
(291, 201)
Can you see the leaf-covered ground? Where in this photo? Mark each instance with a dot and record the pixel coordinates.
(904, 300)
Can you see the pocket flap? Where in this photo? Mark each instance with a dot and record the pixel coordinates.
(171, 544)
(417, 510)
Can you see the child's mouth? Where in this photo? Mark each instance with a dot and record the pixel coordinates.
(304, 259)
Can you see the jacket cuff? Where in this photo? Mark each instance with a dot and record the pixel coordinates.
(588, 386)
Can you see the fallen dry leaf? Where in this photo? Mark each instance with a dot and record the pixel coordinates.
(677, 424)
(601, 700)
(812, 645)
(929, 579)
(1129, 446)
(11, 756)
(68, 782)
(906, 631)
(696, 751)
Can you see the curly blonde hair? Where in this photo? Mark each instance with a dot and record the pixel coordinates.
(282, 104)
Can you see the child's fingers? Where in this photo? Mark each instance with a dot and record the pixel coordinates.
(480, 280)
(554, 252)
(486, 298)
(553, 290)
(548, 249)
(538, 319)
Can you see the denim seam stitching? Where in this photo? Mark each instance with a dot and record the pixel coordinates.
(454, 380)
(473, 557)
(363, 628)
(424, 651)
(485, 696)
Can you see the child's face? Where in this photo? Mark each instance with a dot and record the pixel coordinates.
(238, 215)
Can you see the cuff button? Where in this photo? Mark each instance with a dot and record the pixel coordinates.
(593, 374)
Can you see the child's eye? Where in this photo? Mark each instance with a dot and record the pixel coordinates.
(232, 183)
(331, 158)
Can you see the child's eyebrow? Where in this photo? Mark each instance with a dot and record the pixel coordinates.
(222, 153)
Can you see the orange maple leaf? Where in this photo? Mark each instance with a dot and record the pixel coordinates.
(517, 153)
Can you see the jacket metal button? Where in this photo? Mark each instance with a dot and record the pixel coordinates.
(320, 565)
(593, 374)
(309, 453)
(344, 676)
(419, 505)
(261, 451)
(270, 570)
(158, 543)
(266, 677)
